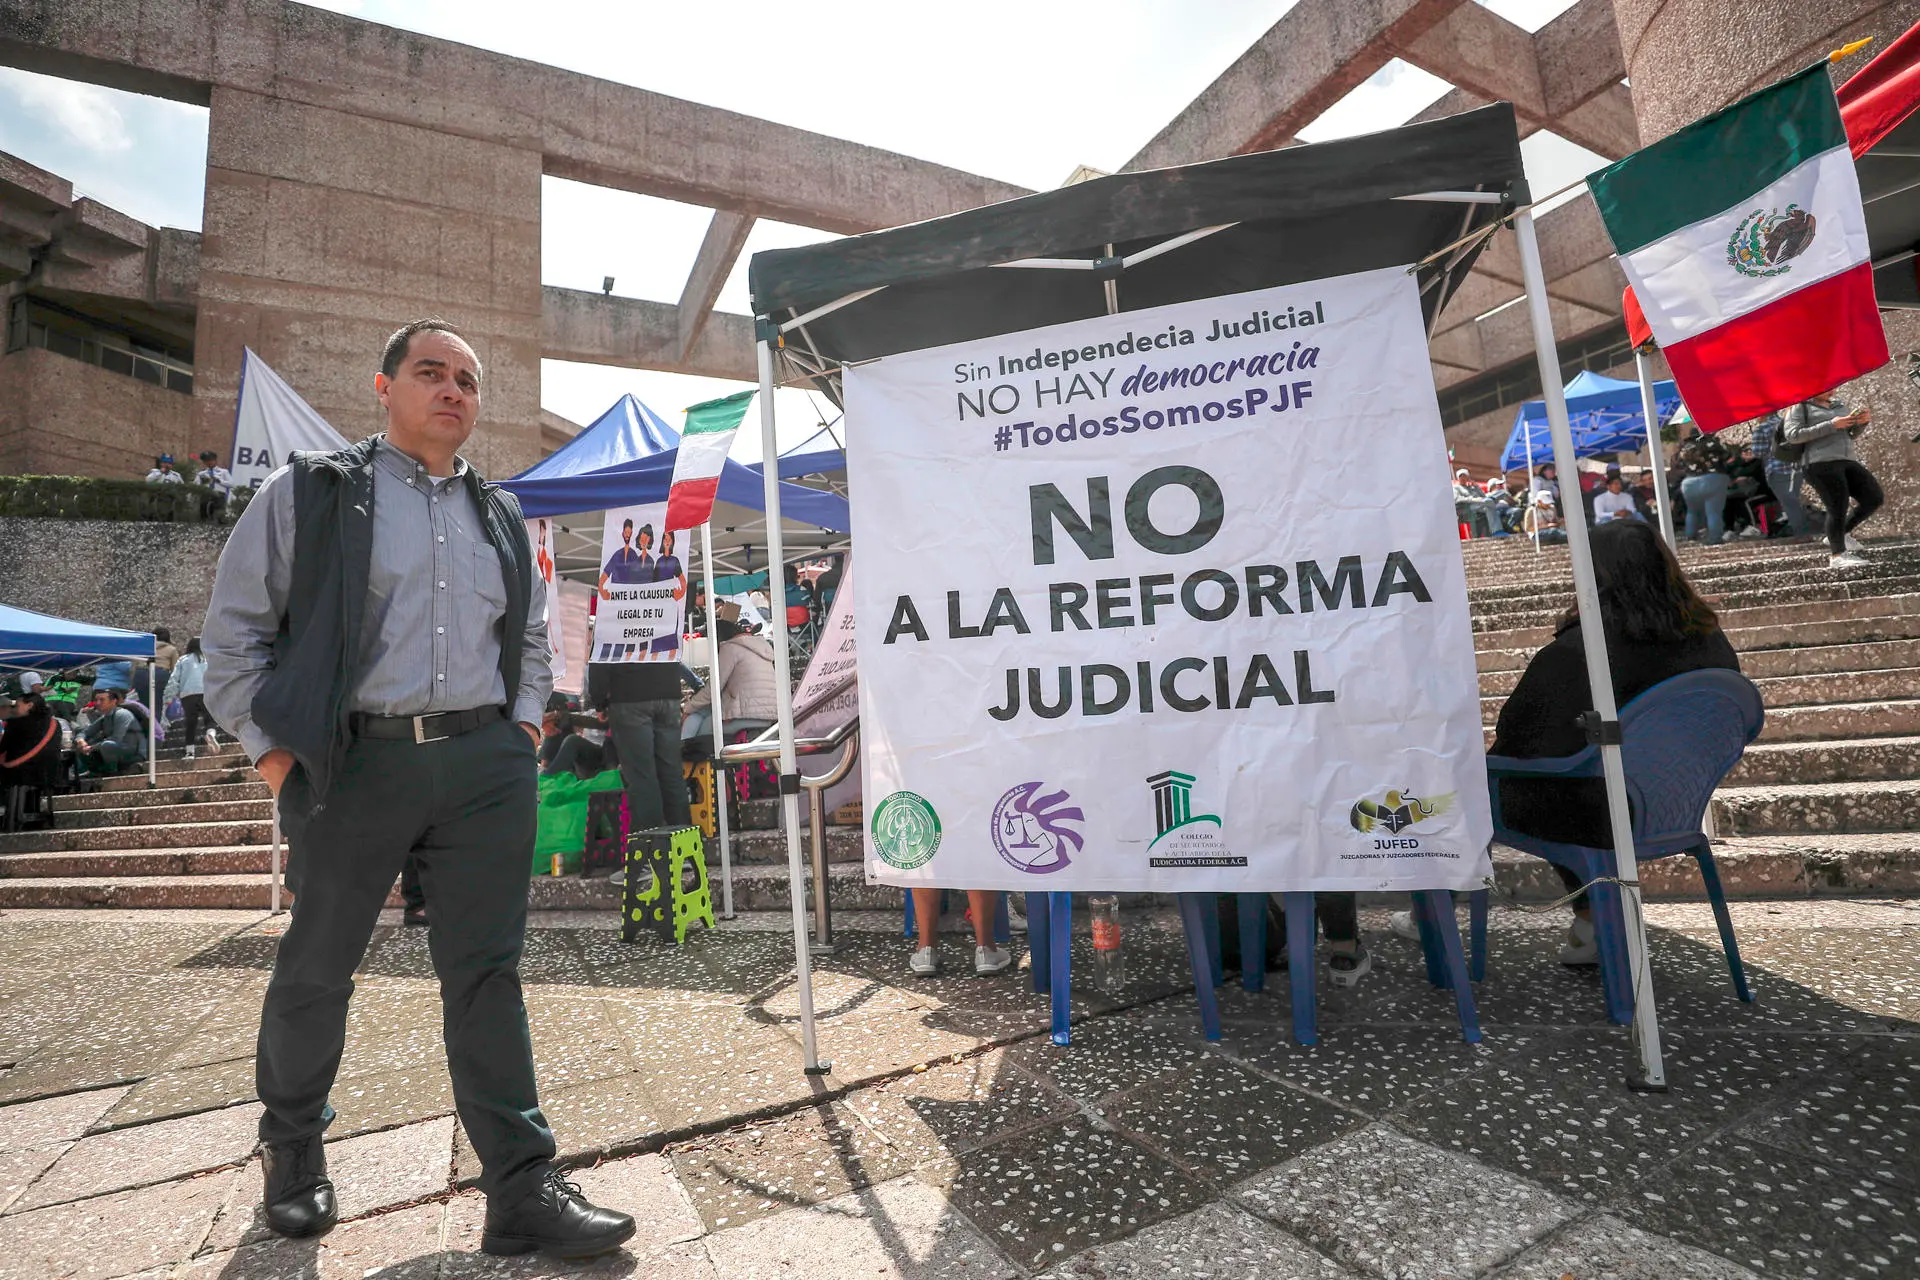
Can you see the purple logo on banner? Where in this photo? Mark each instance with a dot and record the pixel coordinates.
(1035, 832)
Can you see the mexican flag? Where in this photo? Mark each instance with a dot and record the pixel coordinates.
(703, 452)
(1743, 238)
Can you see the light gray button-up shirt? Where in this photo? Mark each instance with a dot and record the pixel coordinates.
(435, 606)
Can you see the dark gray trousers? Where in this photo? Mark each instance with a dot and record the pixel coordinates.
(648, 735)
(464, 810)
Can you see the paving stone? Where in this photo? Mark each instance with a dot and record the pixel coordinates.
(112, 1235)
(1370, 1068)
(705, 1062)
(130, 1025)
(18, 1169)
(146, 1154)
(403, 1245)
(1872, 971)
(651, 969)
(804, 1158)
(177, 1093)
(958, 1106)
(1604, 1248)
(879, 1044)
(574, 1040)
(644, 1186)
(598, 1116)
(550, 957)
(1388, 1206)
(1109, 1054)
(393, 1025)
(642, 1256)
(398, 1166)
(1780, 1213)
(381, 1099)
(1560, 1114)
(1865, 1116)
(26, 1125)
(1048, 1193)
(1208, 1244)
(900, 1230)
(1223, 1123)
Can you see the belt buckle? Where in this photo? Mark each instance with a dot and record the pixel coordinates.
(420, 731)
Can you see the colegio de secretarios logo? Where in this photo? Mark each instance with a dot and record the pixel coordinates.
(1036, 831)
(1182, 837)
(906, 830)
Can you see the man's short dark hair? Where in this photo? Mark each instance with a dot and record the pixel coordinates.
(396, 349)
(627, 523)
(118, 695)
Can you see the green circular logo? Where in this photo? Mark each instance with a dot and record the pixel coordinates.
(906, 831)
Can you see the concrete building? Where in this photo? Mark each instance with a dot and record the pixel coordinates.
(310, 252)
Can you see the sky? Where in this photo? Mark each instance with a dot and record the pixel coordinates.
(1011, 89)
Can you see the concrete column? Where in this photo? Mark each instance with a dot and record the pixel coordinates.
(326, 230)
(1686, 58)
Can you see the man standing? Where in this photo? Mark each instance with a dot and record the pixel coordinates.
(215, 477)
(1783, 477)
(375, 643)
(163, 472)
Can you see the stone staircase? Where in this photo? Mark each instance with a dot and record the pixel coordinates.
(1828, 801)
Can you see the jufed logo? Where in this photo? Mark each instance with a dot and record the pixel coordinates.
(1396, 811)
(1184, 838)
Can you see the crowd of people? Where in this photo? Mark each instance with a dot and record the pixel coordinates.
(66, 734)
(208, 475)
(1716, 487)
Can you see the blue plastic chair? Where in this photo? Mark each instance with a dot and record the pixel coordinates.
(1678, 740)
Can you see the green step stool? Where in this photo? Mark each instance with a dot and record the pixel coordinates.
(667, 904)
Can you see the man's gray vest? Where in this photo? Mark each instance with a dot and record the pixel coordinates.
(303, 703)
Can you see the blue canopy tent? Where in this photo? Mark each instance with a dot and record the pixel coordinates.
(29, 640)
(626, 456)
(1605, 414)
(819, 454)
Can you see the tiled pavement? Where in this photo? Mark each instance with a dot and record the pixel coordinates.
(953, 1140)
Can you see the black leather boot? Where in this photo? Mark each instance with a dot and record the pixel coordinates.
(299, 1195)
(556, 1220)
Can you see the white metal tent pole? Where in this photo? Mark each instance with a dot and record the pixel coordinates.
(273, 905)
(713, 719)
(153, 729)
(1586, 594)
(1659, 463)
(1526, 433)
(783, 702)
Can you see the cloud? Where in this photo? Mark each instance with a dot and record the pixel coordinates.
(86, 114)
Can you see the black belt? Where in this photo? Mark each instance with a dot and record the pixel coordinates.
(434, 728)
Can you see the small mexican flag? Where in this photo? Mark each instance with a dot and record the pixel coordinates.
(1744, 240)
(703, 452)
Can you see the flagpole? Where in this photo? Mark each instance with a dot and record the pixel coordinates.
(783, 702)
(713, 720)
(1650, 412)
(1586, 593)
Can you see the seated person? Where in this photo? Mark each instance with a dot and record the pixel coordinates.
(1339, 918)
(1646, 497)
(1470, 506)
(988, 956)
(1543, 519)
(563, 749)
(1616, 503)
(744, 674)
(1657, 627)
(113, 741)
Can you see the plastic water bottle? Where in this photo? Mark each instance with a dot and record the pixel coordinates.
(1109, 969)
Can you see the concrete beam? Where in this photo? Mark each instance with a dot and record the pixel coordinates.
(630, 333)
(1579, 56)
(1307, 61)
(1477, 50)
(726, 237)
(1604, 123)
(584, 128)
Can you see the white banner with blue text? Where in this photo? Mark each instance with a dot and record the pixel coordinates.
(1168, 600)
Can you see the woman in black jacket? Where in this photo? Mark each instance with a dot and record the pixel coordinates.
(1657, 627)
(29, 747)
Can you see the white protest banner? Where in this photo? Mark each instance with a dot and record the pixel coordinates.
(1168, 600)
(270, 422)
(835, 657)
(540, 536)
(642, 587)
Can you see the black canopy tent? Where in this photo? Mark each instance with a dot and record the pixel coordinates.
(1168, 235)
(1428, 196)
